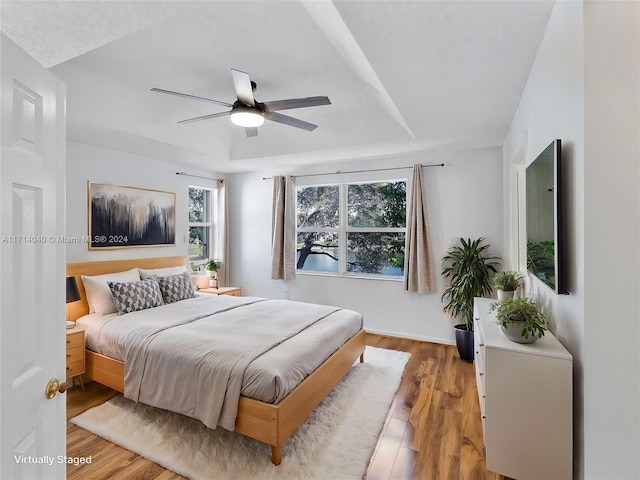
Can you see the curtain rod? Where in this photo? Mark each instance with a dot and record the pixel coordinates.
(339, 172)
(185, 174)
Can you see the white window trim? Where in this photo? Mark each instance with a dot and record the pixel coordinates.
(342, 230)
(212, 224)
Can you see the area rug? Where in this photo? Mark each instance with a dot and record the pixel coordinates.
(335, 442)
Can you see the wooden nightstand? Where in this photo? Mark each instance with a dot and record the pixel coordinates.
(233, 291)
(75, 355)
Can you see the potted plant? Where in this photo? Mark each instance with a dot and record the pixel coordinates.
(468, 266)
(506, 283)
(520, 319)
(212, 267)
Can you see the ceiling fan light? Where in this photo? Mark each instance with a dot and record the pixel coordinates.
(246, 117)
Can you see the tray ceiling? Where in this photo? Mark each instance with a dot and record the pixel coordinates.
(402, 76)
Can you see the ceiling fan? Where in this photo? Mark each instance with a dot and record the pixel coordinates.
(247, 112)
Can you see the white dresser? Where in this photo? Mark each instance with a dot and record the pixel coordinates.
(525, 394)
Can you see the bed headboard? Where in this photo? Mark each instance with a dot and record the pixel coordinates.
(81, 307)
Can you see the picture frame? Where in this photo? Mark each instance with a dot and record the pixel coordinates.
(122, 216)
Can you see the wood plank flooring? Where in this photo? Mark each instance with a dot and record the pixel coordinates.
(433, 430)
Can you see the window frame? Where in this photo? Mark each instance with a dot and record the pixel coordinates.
(343, 229)
(210, 223)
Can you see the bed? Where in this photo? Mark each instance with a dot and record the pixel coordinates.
(271, 418)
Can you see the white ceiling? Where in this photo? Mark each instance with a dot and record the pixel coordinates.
(402, 76)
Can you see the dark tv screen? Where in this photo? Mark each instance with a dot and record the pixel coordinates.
(545, 246)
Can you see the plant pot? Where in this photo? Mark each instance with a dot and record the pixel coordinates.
(504, 294)
(464, 342)
(513, 331)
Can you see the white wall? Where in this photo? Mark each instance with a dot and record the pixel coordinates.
(612, 240)
(552, 106)
(583, 89)
(104, 165)
(464, 199)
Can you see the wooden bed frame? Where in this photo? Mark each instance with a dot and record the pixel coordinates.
(268, 423)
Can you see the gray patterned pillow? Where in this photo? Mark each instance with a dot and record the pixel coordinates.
(134, 296)
(176, 287)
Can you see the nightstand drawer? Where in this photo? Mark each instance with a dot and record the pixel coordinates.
(75, 340)
(74, 354)
(232, 291)
(75, 368)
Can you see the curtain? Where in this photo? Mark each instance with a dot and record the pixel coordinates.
(418, 260)
(283, 246)
(223, 234)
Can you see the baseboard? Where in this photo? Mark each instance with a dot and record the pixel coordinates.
(419, 338)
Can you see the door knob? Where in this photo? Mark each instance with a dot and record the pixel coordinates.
(53, 387)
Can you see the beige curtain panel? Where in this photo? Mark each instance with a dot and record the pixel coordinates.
(418, 260)
(223, 232)
(283, 231)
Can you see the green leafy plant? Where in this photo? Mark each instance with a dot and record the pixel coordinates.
(211, 265)
(507, 281)
(541, 260)
(468, 267)
(521, 311)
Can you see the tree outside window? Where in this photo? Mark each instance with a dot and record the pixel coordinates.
(356, 228)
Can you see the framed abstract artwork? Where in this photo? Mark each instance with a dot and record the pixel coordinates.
(124, 217)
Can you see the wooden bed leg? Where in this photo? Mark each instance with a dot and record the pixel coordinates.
(362, 357)
(276, 455)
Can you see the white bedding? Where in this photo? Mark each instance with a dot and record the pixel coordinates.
(269, 377)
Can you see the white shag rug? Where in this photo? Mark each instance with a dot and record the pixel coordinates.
(335, 443)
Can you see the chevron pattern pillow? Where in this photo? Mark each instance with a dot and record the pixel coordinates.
(176, 287)
(134, 296)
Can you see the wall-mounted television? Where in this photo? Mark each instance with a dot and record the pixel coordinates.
(545, 246)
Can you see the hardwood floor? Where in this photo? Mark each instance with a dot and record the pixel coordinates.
(433, 430)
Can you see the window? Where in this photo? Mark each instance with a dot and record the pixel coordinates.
(354, 228)
(201, 222)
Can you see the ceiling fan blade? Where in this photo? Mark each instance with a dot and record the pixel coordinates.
(204, 117)
(275, 105)
(251, 131)
(242, 84)
(293, 122)
(193, 97)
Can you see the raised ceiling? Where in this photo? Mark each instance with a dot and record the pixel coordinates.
(402, 76)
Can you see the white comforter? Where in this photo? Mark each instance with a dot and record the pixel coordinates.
(191, 357)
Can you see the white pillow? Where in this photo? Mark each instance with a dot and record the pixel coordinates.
(98, 293)
(162, 272)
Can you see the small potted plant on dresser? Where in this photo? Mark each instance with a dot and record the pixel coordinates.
(468, 267)
(212, 267)
(520, 319)
(506, 284)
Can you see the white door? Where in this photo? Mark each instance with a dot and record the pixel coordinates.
(32, 268)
